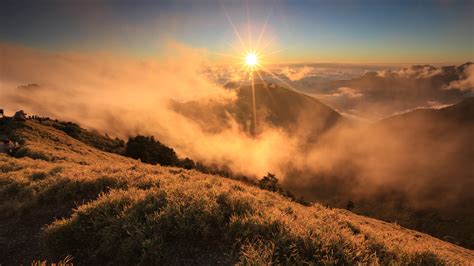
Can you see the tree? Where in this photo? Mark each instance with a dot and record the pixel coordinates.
(187, 163)
(149, 150)
(270, 182)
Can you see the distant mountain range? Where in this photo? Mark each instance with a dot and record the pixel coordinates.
(376, 95)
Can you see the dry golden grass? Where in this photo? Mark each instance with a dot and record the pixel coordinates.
(102, 208)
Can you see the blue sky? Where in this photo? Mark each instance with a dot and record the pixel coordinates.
(305, 31)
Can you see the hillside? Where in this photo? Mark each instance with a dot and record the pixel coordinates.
(62, 197)
(414, 169)
(437, 149)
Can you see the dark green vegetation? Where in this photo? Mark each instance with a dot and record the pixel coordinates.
(63, 197)
(149, 150)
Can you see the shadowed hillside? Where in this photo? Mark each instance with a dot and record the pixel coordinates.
(415, 168)
(63, 197)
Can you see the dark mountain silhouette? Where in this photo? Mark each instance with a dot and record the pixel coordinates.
(438, 153)
(276, 106)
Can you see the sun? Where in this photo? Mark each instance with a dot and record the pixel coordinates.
(251, 60)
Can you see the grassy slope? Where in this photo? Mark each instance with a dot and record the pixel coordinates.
(103, 208)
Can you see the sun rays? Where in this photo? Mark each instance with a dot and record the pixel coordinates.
(251, 58)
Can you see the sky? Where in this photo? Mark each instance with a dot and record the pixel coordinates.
(295, 31)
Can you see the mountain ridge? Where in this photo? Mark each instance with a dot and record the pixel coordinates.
(276, 107)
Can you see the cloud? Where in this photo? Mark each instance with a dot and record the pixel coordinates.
(346, 92)
(437, 105)
(126, 96)
(428, 105)
(390, 92)
(466, 84)
(416, 72)
(296, 73)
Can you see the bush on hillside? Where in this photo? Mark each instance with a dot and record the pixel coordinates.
(149, 150)
(37, 155)
(270, 182)
(187, 163)
(69, 128)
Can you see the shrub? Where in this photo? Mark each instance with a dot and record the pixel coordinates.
(69, 128)
(149, 150)
(187, 163)
(38, 176)
(26, 152)
(270, 182)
